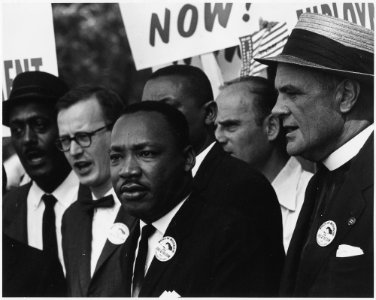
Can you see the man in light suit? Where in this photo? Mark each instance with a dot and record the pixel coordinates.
(187, 246)
(95, 226)
(32, 213)
(325, 83)
(223, 180)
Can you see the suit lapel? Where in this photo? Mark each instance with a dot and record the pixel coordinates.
(17, 226)
(208, 167)
(84, 237)
(178, 230)
(109, 248)
(348, 203)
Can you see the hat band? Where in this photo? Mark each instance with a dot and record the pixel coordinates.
(323, 51)
(33, 89)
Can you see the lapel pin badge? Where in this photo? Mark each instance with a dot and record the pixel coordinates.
(118, 233)
(166, 249)
(326, 233)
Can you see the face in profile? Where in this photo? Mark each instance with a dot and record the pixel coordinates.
(172, 90)
(238, 130)
(91, 164)
(34, 131)
(309, 112)
(148, 170)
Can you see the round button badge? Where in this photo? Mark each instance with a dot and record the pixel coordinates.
(166, 249)
(118, 233)
(326, 233)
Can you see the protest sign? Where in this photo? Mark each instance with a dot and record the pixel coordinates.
(28, 42)
(161, 32)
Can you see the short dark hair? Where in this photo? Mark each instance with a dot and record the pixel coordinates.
(262, 87)
(175, 119)
(198, 84)
(111, 103)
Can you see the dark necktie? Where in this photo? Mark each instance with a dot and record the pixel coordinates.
(139, 269)
(103, 202)
(49, 226)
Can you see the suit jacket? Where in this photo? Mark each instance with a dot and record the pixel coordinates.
(107, 280)
(29, 272)
(217, 254)
(228, 182)
(318, 272)
(15, 227)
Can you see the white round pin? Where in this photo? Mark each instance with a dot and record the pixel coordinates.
(166, 249)
(118, 233)
(326, 233)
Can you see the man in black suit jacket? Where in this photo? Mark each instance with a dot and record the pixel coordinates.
(29, 113)
(325, 83)
(219, 178)
(95, 226)
(193, 248)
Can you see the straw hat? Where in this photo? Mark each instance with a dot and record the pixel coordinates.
(329, 44)
(36, 85)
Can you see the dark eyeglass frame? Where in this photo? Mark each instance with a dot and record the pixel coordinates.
(88, 135)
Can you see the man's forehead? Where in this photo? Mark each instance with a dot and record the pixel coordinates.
(30, 109)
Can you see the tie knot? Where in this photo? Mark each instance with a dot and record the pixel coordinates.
(147, 231)
(49, 200)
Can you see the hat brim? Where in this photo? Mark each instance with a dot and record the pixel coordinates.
(288, 59)
(8, 105)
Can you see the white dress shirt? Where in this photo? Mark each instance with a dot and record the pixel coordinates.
(200, 158)
(66, 193)
(161, 226)
(290, 185)
(348, 150)
(103, 219)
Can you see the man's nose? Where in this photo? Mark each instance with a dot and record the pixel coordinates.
(130, 167)
(280, 107)
(30, 135)
(219, 135)
(75, 149)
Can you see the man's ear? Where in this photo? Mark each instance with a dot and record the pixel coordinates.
(190, 158)
(272, 127)
(347, 93)
(210, 112)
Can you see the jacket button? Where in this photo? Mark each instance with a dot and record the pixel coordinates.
(351, 221)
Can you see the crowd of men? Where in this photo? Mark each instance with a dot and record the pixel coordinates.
(184, 195)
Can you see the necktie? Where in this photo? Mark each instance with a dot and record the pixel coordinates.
(103, 202)
(139, 270)
(49, 226)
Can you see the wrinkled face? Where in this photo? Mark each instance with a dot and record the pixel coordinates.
(34, 131)
(147, 168)
(91, 164)
(171, 90)
(236, 127)
(310, 112)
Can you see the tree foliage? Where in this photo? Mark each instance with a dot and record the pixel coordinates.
(92, 48)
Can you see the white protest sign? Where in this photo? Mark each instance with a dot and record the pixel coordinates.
(28, 42)
(161, 32)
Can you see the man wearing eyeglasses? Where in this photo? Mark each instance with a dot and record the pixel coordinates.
(32, 252)
(94, 228)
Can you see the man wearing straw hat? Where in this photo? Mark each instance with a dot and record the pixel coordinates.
(324, 77)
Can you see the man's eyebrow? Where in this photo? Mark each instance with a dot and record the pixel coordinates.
(229, 122)
(288, 87)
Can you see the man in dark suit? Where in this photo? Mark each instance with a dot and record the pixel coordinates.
(219, 178)
(95, 226)
(32, 213)
(325, 83)
(187, 246)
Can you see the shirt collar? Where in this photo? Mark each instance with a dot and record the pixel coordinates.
(162, 223)
(347, 151)
(200, 158)
(286, 182)
(65, 193)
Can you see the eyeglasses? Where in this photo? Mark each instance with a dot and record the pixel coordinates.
(81, 138)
